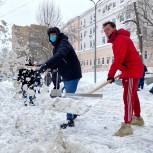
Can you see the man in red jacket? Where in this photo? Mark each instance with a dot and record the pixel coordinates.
(128, 61)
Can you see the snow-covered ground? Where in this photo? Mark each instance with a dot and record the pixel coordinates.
(35, 129)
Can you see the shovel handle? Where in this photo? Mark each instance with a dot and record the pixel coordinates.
(101, 85)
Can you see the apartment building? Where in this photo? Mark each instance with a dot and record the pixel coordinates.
(107, 10)
(72, 29)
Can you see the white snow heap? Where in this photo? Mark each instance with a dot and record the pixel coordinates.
(36, 129)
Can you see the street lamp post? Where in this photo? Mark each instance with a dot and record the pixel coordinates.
(95, 45)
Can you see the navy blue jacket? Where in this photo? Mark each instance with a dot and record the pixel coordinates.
(65, 59)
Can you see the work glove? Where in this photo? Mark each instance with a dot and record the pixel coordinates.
(111, 79)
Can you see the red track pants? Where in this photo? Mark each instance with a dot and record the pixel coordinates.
(131, 100)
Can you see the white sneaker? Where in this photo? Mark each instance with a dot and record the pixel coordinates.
(125, 130)
(137, 121)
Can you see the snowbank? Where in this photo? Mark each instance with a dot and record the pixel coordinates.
(36, 129)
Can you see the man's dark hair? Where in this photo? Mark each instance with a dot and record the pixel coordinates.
(112, 24)
(53, 30)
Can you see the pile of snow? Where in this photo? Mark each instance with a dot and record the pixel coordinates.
(36, 129)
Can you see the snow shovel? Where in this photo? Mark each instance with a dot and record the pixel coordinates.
(101, 85)
(92, 92)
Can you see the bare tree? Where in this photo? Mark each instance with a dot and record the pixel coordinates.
(48, 14)
(72, 33)
(142, 16)
(145, 11)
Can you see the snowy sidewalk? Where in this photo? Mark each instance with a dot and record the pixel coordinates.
(36, 129)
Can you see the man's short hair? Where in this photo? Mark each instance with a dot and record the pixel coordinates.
(112, 24)
(53, 30)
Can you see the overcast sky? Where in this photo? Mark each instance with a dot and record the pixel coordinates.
(23, 12)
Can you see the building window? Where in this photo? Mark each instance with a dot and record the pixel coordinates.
(91, 44)
(103, 61)
(146, 55)
(81, 46)
(90, 62)
(108, 59)
(84, 45)
(99, 10)
(121, 18)
(85, 33)
(91, 31)
(103, 40)
(109, 7)
(84, 23)
(87, 62)
(152, 34)
(114, 4)
(81, 23)
(112, 59)
(98, 61)
(81, 63)
(81, 35)
(91, 19)
(84, 63)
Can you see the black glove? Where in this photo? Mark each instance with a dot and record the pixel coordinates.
(43, 68)
(111, 79)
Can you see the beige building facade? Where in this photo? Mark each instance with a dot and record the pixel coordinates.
(72, 30)
(108, 10)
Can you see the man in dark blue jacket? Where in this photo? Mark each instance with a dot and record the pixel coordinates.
(65, 60)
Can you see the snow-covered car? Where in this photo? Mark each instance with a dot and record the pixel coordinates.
(149, 78)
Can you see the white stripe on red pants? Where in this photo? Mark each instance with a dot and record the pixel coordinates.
(131, 100)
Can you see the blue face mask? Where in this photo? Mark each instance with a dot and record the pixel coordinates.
(53, 38)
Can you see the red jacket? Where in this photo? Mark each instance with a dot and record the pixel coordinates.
(126, 57)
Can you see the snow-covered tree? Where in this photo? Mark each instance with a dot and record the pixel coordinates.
(5, 39)
(9, 61)
(140, 19)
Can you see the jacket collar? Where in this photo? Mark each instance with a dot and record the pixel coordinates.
(113, 36)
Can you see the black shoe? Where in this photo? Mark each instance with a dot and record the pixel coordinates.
(25, 103)
(63, 126)
(69, 124)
